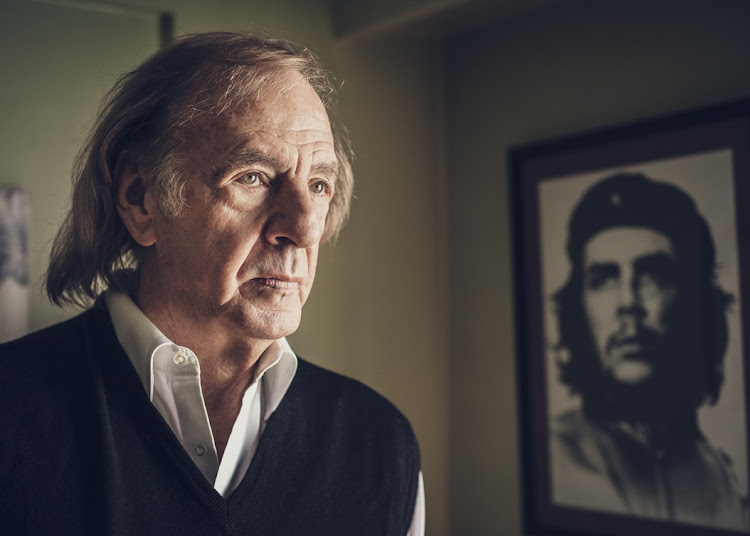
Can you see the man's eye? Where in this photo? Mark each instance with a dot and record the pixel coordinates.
(252, 178)
(597, 277)
(660, 270)
(596, 281)
(319, 188)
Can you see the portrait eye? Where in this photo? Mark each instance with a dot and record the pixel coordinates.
(252, 178)
(658, 270)
(598, 276)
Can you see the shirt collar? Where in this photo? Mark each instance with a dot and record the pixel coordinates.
(277, 376)
(142, 340)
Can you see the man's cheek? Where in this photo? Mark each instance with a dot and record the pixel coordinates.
(601, 331)
(661, 311)
(601, 313)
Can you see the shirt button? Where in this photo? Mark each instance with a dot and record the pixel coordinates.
(179, 359)
(200, 450)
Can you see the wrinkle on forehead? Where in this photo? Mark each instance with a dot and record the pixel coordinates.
(290, 127)
(291, 104)
(626, 243)
(244, 90)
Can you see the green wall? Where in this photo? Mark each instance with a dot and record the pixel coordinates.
(57, 62)
(357, 17)
(565, 69)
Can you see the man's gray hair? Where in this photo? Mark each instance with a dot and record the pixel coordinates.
(146, 115)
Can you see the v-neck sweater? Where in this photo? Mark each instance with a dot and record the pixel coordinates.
(84, 451)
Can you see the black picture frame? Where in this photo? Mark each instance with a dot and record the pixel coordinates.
(705, 153)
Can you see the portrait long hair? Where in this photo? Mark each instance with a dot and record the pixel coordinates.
(148, 116)
(697, 333)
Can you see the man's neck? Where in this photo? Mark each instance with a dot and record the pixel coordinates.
(224, 352)
(657, 430)
(228, 361)
(658, 436)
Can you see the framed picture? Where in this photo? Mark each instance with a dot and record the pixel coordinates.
(14, 263)
(632, 273)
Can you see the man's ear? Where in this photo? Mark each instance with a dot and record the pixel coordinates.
(135, 203)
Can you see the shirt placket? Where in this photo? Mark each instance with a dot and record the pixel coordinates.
(197, 436)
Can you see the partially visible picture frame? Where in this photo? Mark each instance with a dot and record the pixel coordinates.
(14, 263)
(632, 275)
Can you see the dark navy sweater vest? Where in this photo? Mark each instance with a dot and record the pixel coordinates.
(83, 451)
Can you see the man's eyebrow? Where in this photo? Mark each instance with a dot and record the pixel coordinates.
(602, 266)
(326, 169)
(249, 156)
(242, 158)
(659, 261)
(597, 273)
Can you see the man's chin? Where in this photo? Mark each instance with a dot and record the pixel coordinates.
(632, 371)
(267, 324)
(635, 391)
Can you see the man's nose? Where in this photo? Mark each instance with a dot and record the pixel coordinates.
(295, 217)
(629, 302)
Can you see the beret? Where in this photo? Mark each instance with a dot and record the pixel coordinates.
(635, 200)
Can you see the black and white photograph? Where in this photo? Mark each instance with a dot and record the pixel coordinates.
(636, 370)
(645, 397)
(14, 263)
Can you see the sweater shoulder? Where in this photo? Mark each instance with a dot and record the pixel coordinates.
(47, 380)
(55, 355)
(358, 433)
(338, 397)
(43, 341)
(63, 337)
(340, 389)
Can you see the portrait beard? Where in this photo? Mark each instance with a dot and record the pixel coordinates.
(669, 396)
(637, 346)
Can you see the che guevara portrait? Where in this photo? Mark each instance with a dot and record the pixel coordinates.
(642, 327)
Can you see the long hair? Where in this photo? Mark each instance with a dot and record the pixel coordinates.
(699, 331)
(147, 113)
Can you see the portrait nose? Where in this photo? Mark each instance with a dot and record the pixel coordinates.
(629, 303)
(295, 218)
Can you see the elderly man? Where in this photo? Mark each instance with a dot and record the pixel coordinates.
(643, 333)
(174, 405)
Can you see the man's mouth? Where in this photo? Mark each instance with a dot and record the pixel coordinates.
(629, 348)
(279, 283)
(634, 347)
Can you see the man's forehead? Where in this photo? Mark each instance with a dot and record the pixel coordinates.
(282, 125)
(266, 112)
(285, 88)
(626, 244)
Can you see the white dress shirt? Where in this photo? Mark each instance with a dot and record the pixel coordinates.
(171, 376)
